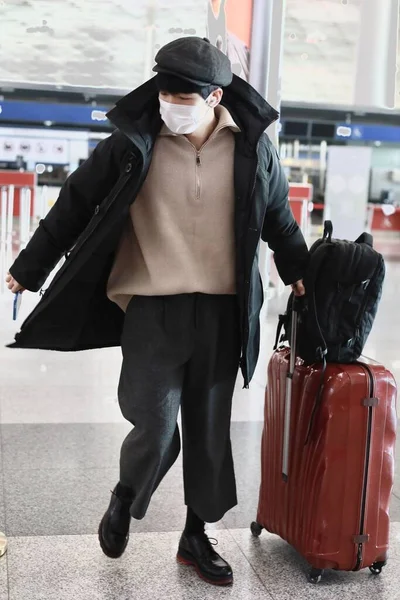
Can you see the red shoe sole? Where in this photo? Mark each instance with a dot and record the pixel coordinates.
(189, 563)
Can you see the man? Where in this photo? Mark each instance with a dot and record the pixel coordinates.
(164, 221)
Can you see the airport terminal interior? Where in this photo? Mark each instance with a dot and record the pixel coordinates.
(331, 68)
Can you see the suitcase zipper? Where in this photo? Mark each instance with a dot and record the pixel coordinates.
(366, 474)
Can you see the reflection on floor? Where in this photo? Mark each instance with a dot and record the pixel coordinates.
(60, 435)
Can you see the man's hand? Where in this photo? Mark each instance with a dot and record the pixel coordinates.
(13, 285)
(298, 288)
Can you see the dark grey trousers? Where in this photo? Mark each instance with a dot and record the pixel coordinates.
(180, 351)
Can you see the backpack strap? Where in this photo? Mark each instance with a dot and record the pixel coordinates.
(281, 323)
(322, 350)
(312, 274)
(328, 231)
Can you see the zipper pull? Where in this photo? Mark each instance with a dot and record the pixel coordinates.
(198, 161)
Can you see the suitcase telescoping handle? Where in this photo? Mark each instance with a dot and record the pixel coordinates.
(289, 384)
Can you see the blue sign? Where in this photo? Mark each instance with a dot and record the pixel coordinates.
(49, 113)
(364, 132)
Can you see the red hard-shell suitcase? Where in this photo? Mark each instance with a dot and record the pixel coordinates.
(326, 489)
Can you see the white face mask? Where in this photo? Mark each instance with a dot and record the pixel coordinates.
(183, 119)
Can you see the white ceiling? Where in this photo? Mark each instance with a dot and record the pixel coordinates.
(111, 43)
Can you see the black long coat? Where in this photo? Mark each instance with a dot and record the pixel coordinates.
(87, 220)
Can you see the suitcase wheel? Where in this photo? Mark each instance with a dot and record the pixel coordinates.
(256, 529)
(315, 576)
(377, 567)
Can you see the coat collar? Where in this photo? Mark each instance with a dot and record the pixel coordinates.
(137, 114)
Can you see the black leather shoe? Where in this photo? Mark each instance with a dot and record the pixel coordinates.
(198, 552)
(114, 526)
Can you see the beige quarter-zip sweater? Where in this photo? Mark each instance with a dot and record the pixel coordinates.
(180, 237)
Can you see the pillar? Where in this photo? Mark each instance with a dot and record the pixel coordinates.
(375, 80)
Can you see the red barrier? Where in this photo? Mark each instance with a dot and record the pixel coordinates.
(382, 222)
(19, 180)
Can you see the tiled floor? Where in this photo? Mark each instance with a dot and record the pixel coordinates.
(60, 436)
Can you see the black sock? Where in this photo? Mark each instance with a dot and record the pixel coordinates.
(194, 525)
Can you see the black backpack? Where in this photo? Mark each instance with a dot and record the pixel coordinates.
(343, 285)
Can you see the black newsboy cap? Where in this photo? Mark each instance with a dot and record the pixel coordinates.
(196, 60)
